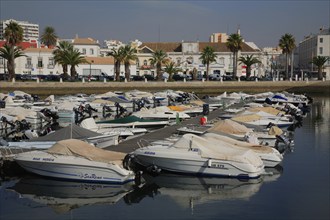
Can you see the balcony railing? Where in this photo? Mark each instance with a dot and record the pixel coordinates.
(28, 66)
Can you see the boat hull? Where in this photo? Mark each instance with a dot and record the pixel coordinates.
(198, 166)
(73, 168)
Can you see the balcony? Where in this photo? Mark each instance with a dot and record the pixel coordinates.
(50, 66)
(28, 66)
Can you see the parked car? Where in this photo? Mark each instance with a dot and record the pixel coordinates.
(215, 77)
(149, 77)
(137, 78)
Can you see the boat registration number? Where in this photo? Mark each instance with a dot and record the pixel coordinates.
(217, 165)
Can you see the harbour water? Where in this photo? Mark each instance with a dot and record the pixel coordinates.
(298, 189)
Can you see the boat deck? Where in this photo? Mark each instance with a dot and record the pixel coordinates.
(130, 145)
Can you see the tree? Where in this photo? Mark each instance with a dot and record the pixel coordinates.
(60, 55)
(171, 69)
(7, 52)
(234, 44)
(118, 56)
(319, 61)
(74, 58)
(158, 58)
(129, 54)
(49, 37)
(13, 35)
(208, 56)
(287, 44)
(249, 60)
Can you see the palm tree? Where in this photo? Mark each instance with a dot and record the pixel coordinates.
(171, 69)
(287, 44)
(74, 58)
(118, 57)
(319, 61)
(60, 55)
(49, 37)
(7, 52)
(234, 44)
(13, 35)
(158, 58)
(129, 54)
(249, 60)
(208, 56)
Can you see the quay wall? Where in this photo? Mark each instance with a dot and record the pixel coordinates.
(201, 88)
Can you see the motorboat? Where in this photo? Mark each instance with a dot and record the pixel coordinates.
(273, 137)
(134, 122)
(195, 155)
(257, 120)
(270, 156)
(161, 112)
(76, 160)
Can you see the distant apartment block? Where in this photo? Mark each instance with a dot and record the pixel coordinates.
(30, 31)
(314, 45)
(218, 38)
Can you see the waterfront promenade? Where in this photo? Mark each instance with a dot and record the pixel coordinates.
(201, 88)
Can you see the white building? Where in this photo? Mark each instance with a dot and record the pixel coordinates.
(187, 57)
(30, 31)
(312, 46)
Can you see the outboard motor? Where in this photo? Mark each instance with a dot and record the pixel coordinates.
(106, 111)
(268, 101)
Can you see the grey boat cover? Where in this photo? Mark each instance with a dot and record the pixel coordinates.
(68, 132)
(210, 149)
(74, 147)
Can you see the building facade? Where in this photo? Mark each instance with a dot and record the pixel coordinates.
(312, 46)
(30, 31)
(187, 57)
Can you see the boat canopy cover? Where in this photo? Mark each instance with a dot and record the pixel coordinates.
(208, 149)
(274, 130)
(269, 110)
(68, 132)
(229, 127)
(74, 147)
(246, 118)
(224, 140)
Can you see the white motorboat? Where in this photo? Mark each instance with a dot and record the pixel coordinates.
(76, 160)
(257, 120)
(161, 112)
(195, 155)
(270, 156)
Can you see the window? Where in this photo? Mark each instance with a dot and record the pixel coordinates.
(137, 63)
(321, 39)
(321, 50)
(178, 61)
(84, 51)
(145, 62)
(51, 63)
(28, 64)
(222, 61)
(40, 64)
(91, 51)
(2, 61)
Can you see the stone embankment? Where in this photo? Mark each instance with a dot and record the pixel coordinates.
(199, 87)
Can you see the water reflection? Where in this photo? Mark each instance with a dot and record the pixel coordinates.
(63, 196)
(189, 191)
(186, 191)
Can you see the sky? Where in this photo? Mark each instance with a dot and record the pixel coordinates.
(260, 21)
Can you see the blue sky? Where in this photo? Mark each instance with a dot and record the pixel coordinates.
(261, 21)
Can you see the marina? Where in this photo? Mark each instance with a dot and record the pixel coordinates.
(190, 192)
